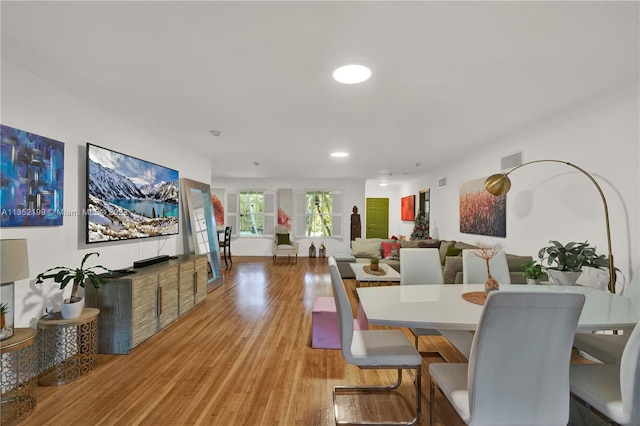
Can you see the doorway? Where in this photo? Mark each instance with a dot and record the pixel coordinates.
(377, 221)
(424, 204)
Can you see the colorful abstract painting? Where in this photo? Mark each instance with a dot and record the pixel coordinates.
(481, 212)
(217, 195)
(285, 207)
(32, 178)
(407, 207)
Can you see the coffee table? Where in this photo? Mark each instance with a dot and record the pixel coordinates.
(391, 276)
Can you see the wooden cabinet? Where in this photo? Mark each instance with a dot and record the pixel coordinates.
(136, 305)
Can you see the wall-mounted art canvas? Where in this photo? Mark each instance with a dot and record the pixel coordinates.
(407, 207)
(217, 195)
(481, 212)
(31, 193)
(285, 207)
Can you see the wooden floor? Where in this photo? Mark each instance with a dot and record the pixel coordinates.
(242, 358)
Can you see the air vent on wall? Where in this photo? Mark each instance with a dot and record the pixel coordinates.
(442, 182)
(511, 161)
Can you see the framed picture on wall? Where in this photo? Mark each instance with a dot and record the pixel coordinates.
(407, 207)
(482, 213)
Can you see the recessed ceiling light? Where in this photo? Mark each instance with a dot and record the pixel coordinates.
(352, 74)
(383, 184)
(339, 154)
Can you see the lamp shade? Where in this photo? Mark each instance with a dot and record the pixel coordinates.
(498, 184)
(14, 262)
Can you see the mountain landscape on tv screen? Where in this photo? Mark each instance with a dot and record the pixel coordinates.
(141, 205)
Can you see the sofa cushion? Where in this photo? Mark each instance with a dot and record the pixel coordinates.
(429, 243)
(452, 265)
(515, 262)
(444, 246)
(369, 248)
(453, 251)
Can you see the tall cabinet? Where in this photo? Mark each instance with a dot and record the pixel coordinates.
(135, 306)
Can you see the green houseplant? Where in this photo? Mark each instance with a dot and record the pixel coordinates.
(64, 275)
(373, 264)
(532, 271)
(569, 259)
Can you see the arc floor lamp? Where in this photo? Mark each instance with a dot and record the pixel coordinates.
(499, 184)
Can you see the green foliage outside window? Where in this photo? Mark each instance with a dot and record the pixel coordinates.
(318, 214)
(251, 213)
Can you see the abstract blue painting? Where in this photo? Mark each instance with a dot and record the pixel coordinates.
(32, 178)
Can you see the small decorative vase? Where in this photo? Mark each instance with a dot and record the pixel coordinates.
(563, 277)
(72, 310)
(533, 281)
(491, 284)
(373, 266)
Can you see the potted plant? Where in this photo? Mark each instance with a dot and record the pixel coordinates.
(373, 264)
(532, 271)
(565, 262)
(72, 307)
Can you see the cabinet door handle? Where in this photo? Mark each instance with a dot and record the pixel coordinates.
(195, 282)
(159, 303)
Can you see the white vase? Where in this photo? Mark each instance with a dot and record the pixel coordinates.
(72, 310)
(563, 277)
(532, 281)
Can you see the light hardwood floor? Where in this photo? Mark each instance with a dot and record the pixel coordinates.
(242, 358)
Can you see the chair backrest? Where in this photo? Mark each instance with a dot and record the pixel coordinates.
(343, 309)
(420, 266)
(281, 229)
(227, 234)
(630, 377)
(474, 268)
(520, 356)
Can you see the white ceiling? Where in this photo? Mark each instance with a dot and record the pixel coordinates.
(448, 77)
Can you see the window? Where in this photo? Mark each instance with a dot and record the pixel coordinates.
(251, 213)
(318, 206)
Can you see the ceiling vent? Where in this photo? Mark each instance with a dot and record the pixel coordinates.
(511, 161)
(442, 182)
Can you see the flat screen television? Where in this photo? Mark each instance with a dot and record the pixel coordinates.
(129, 198)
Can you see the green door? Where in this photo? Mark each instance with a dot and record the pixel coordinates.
(377, 222)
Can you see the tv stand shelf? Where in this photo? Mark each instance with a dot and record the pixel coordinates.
(136, 305)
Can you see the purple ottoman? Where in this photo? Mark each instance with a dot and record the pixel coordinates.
(324, 324)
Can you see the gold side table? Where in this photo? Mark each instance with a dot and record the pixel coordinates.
(68, 348)
(19, 374)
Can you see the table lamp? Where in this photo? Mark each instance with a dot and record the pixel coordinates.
(499, 184)
(14, 266)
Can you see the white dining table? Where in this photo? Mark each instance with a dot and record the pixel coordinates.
(442, 307)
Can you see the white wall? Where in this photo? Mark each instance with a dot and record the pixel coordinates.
(32, 104)
(554, 201)
(353, 195)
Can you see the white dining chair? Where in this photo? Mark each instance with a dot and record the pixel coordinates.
(518, 370)
(613, 390)
(474, 269)
(608, 347)
(378, 349)
(421, 266)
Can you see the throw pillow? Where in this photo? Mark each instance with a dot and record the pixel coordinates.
(452, 251)
(395, 254)
(387, 247)
(282, 239)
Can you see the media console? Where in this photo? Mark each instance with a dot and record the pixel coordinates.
(136, 305)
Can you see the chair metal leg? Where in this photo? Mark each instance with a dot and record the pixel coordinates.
(352, 389)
